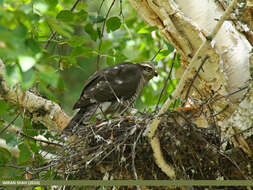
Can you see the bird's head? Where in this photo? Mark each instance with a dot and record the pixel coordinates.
(148, 70)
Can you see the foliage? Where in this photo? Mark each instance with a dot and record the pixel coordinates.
(52, 47)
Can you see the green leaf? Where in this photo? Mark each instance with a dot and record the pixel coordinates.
(13, 74)
(61, 84)
(171, 86)
(62, 29)
(5, 156)
(38, 188)
(52, 3)
(40, 6)
(33, 45)
(28, 128)
(24, 154)
(65, 16)
(81, 15)
(11, 139)
(76, 41)
(162, 54)
(99, 32)
(26, 62)
(34, 147)
(3, 107)
(175, 104)
(169, 46)
(82, 51)
(113, 24)
(20, 32)
(96, 19)
(92, 33)
(50, 78)
(147, 30)
(28, 78)
(177, 62)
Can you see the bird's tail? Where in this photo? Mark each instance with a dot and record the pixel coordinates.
(80, 118)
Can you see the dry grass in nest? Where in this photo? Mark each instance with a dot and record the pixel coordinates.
(117, 149)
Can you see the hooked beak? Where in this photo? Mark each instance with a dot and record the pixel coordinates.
(156, 73)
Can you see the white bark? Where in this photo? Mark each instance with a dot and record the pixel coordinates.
(232, 46)
(187, 25)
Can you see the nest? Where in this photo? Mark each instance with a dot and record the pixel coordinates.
(118, 149)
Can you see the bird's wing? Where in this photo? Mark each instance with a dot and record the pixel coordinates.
(121, 80)
(85, 100)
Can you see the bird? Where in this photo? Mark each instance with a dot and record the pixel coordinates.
(111, 89)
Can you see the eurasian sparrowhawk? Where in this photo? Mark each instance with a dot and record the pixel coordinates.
(111, 89)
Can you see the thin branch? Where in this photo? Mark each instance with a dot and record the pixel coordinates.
(52, 36)
(133, 156)
(99, 9)
(216, 98)
(12, 166)
(39, 140)
(74, 6)
(194, 78)
(2, 131)
(166, 82)
(102, 34)
(121, 11)
(156, 54)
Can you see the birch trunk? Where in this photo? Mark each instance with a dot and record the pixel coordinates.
(207, 34)
(186, 25)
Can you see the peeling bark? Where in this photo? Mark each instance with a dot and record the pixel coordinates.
(199, 30)
(186, 26)
(41, 110)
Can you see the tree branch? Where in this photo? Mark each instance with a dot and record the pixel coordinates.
(42, 110)
(188, 74)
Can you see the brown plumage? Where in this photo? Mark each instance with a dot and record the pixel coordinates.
(114, 86)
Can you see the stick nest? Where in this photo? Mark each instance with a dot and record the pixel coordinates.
(118, 149)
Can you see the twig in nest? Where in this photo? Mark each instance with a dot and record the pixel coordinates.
(133, 154)
(235, 164)
(218, 97)
(224, 109)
